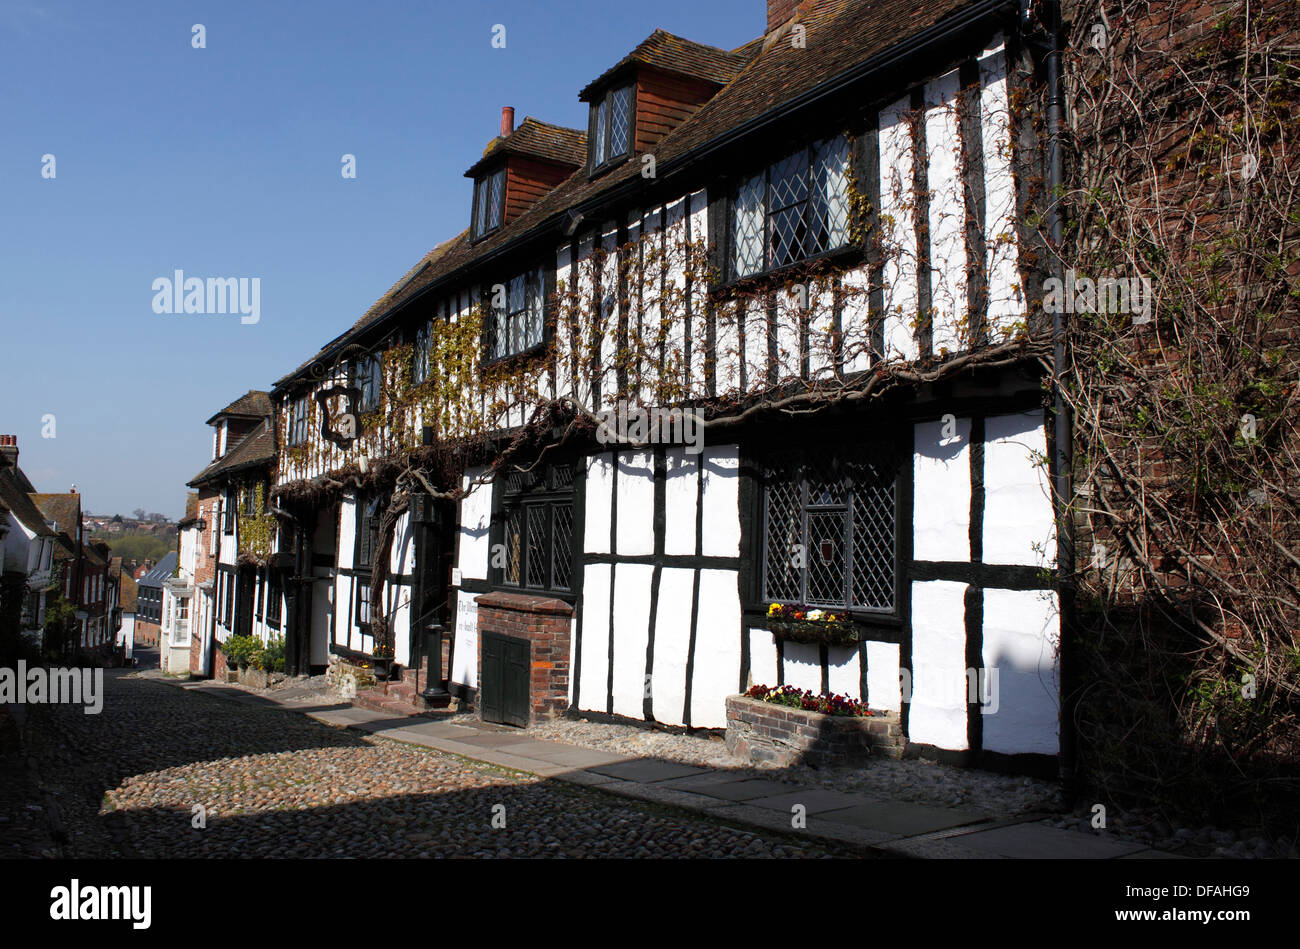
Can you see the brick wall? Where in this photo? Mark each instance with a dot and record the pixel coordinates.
(780, 737)
(545, 623)
(146, 633)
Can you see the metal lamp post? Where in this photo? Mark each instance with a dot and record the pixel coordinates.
(434, 693)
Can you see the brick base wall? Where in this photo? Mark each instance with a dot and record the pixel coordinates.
(777, 736)
(544, 622)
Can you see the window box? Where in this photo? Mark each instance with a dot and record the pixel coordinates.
(802, 625)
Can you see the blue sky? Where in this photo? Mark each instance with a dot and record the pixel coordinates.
(225, 162)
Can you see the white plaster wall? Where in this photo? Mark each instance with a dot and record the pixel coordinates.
(464, 657)
(941, 492)
(600, 489)
(844, 670)
(947, 213)
(762, 658)
(721, 527)
(1021, 639)
(636, 503)
(672, 644)
(594, 687)
(1006, 299)
(631, 634)
(1019, 527)
(681, 492)
(898, 229)
(803, 666)
(938, 713)
(883, 688)
(475, 518)
(699, 221)
(347, 532)
(855, 319)
(717, 648)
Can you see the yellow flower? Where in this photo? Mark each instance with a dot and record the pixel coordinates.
(774, 609)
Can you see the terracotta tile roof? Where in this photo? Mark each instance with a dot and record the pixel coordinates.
(840, 34)
(253, 404)
(537, 140)
(254, 449)
(130, 592)
(675, 54)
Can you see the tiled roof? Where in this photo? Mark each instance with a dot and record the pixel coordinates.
(665, 51)
(63, 509)
(129, 595)
(14, 499)
(255, 448)
(162, 570)
(538, 140)
(840, 35)
(253, 404)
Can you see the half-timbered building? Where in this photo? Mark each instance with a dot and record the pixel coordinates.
(758, 335)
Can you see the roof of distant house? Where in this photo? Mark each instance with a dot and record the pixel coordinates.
(256, 449)
(19, 503)
(62, 512)
(253, 404)
(161, 571)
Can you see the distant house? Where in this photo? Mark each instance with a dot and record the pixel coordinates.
(149, 602)
(27, 547)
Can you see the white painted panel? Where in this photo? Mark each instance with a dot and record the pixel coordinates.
(844, 670)
(564, 277)
(898, 230)
(347, 531)
(475, 519)
(762, 658)
(947, 213)
(941, 492)
(1006, 299)
(803, 666)
(721, 501)
(672, 645)
(789, 312)
(821, 330)
(938, 713)
(726, 336)
(1019, 527)
(681, 492)
(699, 221)
(883, 689)
(631, 633)
(608, 327)
(600, 489)
(754, 315)
(675, 368)
(717, 648)
(855, 319)
(464, 656)
(1021, 636)
(636, 504)
(401, 624)
(593, 690)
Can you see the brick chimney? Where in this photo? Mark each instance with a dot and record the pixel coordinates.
(507, 120)
(779, 12)
(9, 449)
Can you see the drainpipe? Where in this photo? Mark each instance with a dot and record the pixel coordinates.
(1062, 431)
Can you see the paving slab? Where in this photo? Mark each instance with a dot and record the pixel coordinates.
(581, 758)
(746, 790)
(491, 740)
(647, 770)
(814, 800)
(902, 818)
(1038, 842)
(709, 779)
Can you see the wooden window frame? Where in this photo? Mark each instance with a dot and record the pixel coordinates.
(481, 229)
(605, 101)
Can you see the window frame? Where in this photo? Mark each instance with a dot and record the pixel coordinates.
(367, 377)
(299, 421)
(229, 511)
(555, 488)
(604, 101)
(810, 148)
(481, 229)
(537, 281)
(274, 595)
(885, 452)
(366, 533)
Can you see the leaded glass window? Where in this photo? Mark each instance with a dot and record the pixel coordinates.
(830, 529)
(489, 202)
(795, 209)
(517, 309)
(611, 130)
(536, 530)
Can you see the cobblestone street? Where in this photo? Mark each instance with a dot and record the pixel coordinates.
(274, 783)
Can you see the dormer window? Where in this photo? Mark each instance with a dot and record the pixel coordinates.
(610, 137)
(489, 202)
(517, 311)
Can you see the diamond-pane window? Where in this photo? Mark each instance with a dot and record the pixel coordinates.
(795, 209)
(489, 202)
(537, 529)
(829, 530)
(611, 127)
(518, 315)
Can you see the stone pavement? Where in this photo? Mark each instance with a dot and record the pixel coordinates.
(880, 827)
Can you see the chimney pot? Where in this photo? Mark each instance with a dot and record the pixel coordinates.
(507, 120)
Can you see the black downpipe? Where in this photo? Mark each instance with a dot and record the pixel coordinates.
(1062, 431)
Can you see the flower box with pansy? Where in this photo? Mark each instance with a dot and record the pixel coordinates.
(789, 696)
(806, 624)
